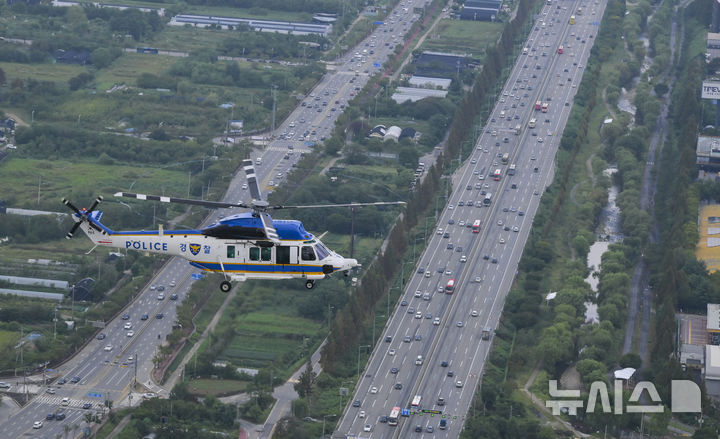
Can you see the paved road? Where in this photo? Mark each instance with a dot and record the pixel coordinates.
(433, 347)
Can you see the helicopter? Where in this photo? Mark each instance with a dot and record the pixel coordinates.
(248, 245)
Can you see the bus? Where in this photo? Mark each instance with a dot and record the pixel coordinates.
(476, 226)
(450, 287)
(572, 19)
(560, 49)
(497, 174)
(511, 169)
(394, 415)
(505, 158)
(416, 401)
(488, 199)
(531, 124)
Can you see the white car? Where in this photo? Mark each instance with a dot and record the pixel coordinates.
(361, 414)
(458, 384)
(161, 296)
(65, 401)
(440, 231)
(474, 313)
(418, 315)
(418, 293)
(244, 186)
(502, 240)
(436, 322)
(130, 333)
(463, 258)
(478, 279)
(391, 352)
(37, 424)
(373, 390)
(128, 325)
(540, 140)
(108, 348)
(367, 428)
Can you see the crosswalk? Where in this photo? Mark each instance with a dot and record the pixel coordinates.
(71, 403)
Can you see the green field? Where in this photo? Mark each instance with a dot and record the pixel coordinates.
(129, 66)
(59, 179)
(41, 72)
(8, 340)
(205, 387)
(462, 36)
(272, 324)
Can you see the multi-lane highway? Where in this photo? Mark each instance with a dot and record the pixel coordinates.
(446, 330)
(106, 369)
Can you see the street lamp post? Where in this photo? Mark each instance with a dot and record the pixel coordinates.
(374, 320)
(324, 417)
(358, 358)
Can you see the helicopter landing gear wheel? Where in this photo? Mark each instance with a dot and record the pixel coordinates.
(309, 284)
(225, 286)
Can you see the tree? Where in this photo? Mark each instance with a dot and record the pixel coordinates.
(101, 58)
(304, 386)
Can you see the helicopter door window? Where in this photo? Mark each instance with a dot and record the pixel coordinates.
(254, 254)
(265, 254)
(231, 251)
(282, 255)
(307, 253)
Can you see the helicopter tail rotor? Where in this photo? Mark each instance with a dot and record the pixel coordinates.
(82, 215)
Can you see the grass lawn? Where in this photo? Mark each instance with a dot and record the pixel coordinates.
(462, 36)
(206, 387)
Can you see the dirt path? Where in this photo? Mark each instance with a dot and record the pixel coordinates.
(18, 120)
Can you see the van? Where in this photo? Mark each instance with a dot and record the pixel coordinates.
(419, 360)
(443, 424)
(502, 114)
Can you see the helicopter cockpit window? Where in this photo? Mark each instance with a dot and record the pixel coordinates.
(254, 254)
(230, 251)
(265, 253)
(307, 253)
(322, 251)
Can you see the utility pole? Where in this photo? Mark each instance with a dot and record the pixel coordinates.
(274, 92)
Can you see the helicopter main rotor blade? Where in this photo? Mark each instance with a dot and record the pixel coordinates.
(378, 203)
(270, 231)
(66, 202)
(97, 201)
(163, 199)
(252, 179)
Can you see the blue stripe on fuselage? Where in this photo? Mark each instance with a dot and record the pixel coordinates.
(260, 268)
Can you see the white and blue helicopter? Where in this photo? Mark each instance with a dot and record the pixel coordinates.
(243, 246)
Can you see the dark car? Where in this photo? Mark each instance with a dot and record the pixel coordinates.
(403, 303)
(173, 297)
(62, 381)
(101, 336)
(159, 315)
(444, 364)
(356, 403)
(388, 338)
(450, 373)
(383, 419)
(87, 405)
(418, 429)
(144, 317)
(126, 316)
(394, 370)
(60, 416)
(398, 386)
(421, 270)
(75, 379)
(50, 416)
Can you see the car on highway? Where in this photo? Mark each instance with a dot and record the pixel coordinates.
(62, 381)
(356, 403)
(50, 390)
(436, 321)
(474, 313)
(173, 297)
(130, 333)
(144, 317)
(398, 386)
(86, 405)
(128, 325)
(407, 339)
(159, 315)
(75, 379)
(458, 384)
(108, 348)
(361, 414)
(391, 352)
(126, 316)
(101, 336)
(59, 416)
(460, 324)
(37, 424)
(367, 428)
(403, 303)
(65, 401)
(373, 390)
